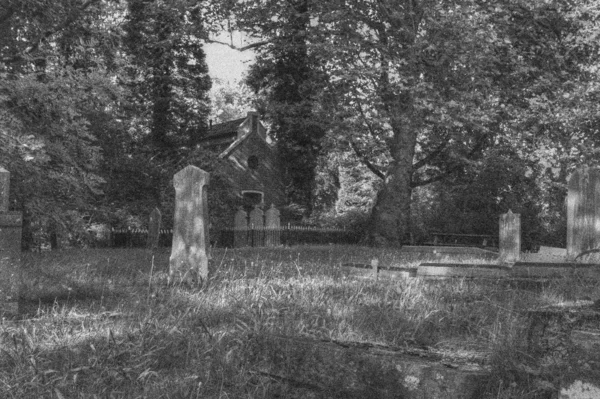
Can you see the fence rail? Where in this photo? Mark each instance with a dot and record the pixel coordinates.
(250, 237)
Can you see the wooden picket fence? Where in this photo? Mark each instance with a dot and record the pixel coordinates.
(250, 237)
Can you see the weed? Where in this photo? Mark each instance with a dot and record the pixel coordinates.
(104, 323)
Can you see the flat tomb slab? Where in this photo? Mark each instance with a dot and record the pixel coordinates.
(554, 270)
(442, 270)
(448, 250)
(520, 270)
(328, 369)
(363, 270)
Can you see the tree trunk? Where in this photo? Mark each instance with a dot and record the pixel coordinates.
(390, 217)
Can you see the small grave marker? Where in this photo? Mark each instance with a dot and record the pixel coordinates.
(375, 267)
(257, 225)
(10, 250)
(154, 224)
(510, 237)
(273, 225)
(189, 260)
(240, 233)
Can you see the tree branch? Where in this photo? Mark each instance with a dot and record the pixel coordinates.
(366, 162)
(9, 12)
(422, 162)
(38, 41)
(244, 48)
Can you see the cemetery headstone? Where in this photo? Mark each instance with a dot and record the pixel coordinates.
(273, 226)
(10, 250)
(240, 229)
(510, 237)
(583, 212)
(189, 260)
(375, 267)
(257, 226)
(154, 224)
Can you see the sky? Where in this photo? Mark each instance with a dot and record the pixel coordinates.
(226, 63)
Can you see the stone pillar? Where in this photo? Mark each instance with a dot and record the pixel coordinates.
(273, 227)
(189, 260)
(10, 251)
(510, 237)
(583, 213)
(154, 224)
(240, 228)
(257, 226)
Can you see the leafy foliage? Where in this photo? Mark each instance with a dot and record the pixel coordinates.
(168, 71)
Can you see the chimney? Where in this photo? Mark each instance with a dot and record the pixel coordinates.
(254, 116)
(210, 124)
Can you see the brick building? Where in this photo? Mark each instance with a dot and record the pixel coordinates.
(254, 171)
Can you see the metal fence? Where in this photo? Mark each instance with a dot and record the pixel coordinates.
(251, 237)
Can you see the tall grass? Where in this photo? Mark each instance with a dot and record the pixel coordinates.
(103, 323)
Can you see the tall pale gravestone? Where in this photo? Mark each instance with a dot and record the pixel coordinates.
(154, 224)
(257, 225)
(510, 237)
(189, 259)
(273, 225)
(583, 211)
(10, 250)
(240, 229)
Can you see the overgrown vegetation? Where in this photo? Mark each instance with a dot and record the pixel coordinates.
(103, 323)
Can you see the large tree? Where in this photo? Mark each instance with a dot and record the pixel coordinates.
(48, 89)
(168, 72)
(410, 86)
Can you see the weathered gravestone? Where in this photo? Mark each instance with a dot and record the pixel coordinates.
(189, 260)
(510, 237)
(154, 224)
(257, 225)
(583, 211)
(273, 227)
(10, 250)
(240, 229)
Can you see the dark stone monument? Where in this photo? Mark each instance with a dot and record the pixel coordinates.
(10, 250)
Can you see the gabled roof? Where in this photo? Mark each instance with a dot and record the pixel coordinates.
(229, 127)
(245, 129)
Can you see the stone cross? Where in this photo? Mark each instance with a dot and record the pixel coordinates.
(510, 237)
(583, 212)
(189, 260)
(273, 226)
(10, 250)
(257, 225)
(154, 224)
(240, 228)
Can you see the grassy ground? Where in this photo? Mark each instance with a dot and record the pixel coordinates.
(102, 323)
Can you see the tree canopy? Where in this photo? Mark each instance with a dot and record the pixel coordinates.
(401, 110)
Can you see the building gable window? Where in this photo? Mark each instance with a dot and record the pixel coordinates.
(253, 162)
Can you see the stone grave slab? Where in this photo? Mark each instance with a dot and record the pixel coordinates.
(330, 369)
(189, 259)
(549, 270)
(441, 250)
(461, 270)
(583, 211)
(379, 272)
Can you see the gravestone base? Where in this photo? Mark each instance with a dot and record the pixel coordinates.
(10, 263)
